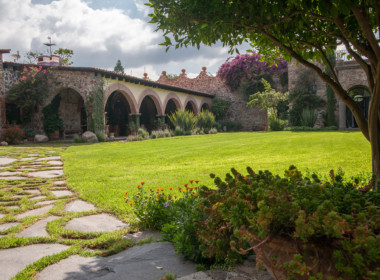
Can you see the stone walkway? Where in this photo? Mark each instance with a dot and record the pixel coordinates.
(33, 187)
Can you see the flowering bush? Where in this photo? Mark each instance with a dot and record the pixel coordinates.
(247, 70)
(155, 207)
(30, 91)
(12, 135)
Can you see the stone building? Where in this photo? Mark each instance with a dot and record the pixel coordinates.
(351, 76)
(126, 99)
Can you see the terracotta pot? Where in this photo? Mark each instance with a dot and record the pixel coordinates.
(54, 135)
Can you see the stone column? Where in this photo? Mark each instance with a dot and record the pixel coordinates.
(135, 119)
(342, 115)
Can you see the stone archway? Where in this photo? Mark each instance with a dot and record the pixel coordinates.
(361, 95)
(117, 111)
(72, 112)
(191, 105)
(205, 107)
(171, 107)
(148, 113)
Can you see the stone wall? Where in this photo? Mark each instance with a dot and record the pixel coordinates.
(250, 118)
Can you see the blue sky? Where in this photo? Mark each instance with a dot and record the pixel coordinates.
(100, 32)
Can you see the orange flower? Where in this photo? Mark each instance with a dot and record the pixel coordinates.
(195, 195)
(156, 199)
(130, 203)
(170, 188)
(142, 183)
(161, 189)
(158, 195)
(126, 192)
(124, 197)
(191, 181)
(185, 185)
(169, 197)
(340, 166)
(175, 196)
(184, 191)
(138, 186)
(190, 189)
(197, 181)
(157, 189)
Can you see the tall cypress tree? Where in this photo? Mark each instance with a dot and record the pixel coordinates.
(118, 67)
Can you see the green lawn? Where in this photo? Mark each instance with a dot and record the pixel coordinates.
(103, 172)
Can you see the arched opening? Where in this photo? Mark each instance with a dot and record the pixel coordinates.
(190, 106)
(361, 95)
(71, 111)
(148, 113)
(205, 107)
(117, 114)
(171, 107)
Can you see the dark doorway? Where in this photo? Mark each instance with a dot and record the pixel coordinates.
(12, 114)
(190, 107)
(170, 109)
(205, 107)
(118, 110)
(148, 113)
(361, 96)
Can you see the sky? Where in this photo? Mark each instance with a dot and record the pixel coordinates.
(100, 32)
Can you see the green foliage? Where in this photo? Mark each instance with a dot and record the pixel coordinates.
(102, 137)
(230, 126)
(133, 126)
(302, 97)
(183, 119)
(267, 100)
(12, 135)
(29, 132)
(308, 128)
(205, 120)
(160, 134)
(308, 117)
(244, 210)
(66, 55)
(143, 133)
(277, 125)
(30, 91)
(219, 108)
(52, 121)
(78, 139)
(118, 67)
(95, 109)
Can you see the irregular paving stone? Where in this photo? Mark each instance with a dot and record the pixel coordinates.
(61, 193)
(60, 182)
(7, 226)
(28, 158)
(32, 155)
(79, 206)
(37, 197)
(35, 212)
(46, 173)
(16, 259)
(13, 207)
(33, 191)
(139, 262)
(55, 162)
(1, 215)
(27, 168)
(95, 223)
(9, 173)
(49, 158)
(197, 276)
(5, 160)
(45, 202)
(12, 178)
(38, 229)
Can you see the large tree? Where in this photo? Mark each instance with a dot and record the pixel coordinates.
(307, 31)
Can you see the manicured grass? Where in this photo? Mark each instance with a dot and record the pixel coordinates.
(102, 172)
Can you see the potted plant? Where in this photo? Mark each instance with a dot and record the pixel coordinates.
(133, 127)
(52, 122)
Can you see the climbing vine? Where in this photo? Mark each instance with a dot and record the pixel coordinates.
(95, 109)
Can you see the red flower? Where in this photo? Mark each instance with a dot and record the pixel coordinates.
(138, 186)
(197, 181)
(126, 192)
(185, 185)
(191, 181)
(142, 183)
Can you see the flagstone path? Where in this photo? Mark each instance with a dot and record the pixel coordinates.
(39, 214)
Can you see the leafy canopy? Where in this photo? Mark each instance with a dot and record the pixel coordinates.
(66, 55)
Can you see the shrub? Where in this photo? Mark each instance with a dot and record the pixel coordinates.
(78, 139)
(143, 133)
(29, 132)
(12, 135)
(157, 134)
(51, 119)
(219, 108)
(277, 125)
(205, 120)
(183, 119)
(328, 222)
(132, 138)
(102, 137)
(178, 131)
(309, 117)
(230, 125)
(213, 131)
